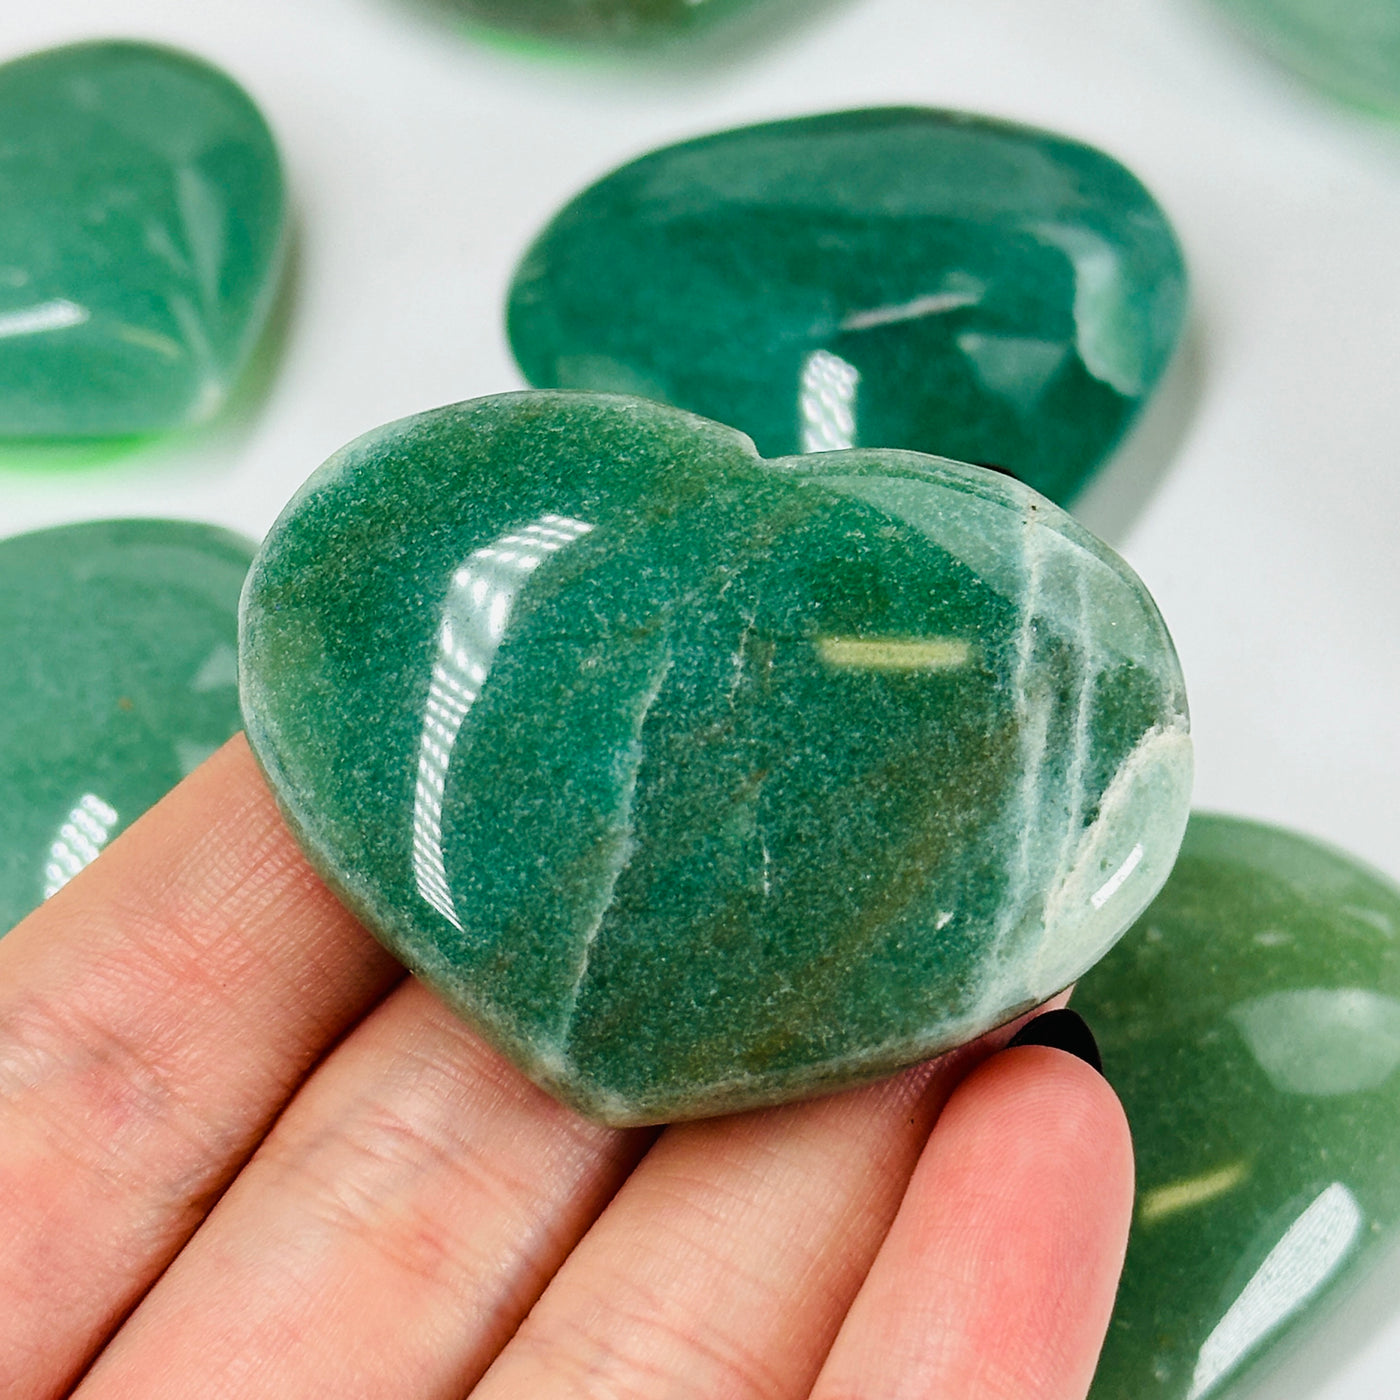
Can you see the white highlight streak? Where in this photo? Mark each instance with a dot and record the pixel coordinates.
(81, 838)
(57, 315)
(1310, 1252)
(1114, 883)
(478, 606)
(827, 402)
(934, 304)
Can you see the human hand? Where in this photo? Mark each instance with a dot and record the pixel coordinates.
(242, 1156)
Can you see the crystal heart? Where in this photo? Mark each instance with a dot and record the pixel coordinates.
(888, 278)
(141, 236)
(1251, 1023)
(697, 780)
(120, 676)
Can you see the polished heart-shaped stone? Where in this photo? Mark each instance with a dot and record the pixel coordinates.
(1352, 50)
(697, 780)
(1250, 1021)
(888, 278)
(608, 21)
(141, 237)
(120, 676)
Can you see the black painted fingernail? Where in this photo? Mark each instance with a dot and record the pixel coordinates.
(1061, 1030)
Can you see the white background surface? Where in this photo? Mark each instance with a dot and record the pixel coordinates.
(1259, 500)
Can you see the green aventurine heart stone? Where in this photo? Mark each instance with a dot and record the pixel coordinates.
(1352, 49)
(120, 675)
(888, 278)
(696, 780)
(141, 235)
(1251, 1022)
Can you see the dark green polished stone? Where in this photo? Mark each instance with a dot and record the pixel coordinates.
(141, 235)
(698, 780)
(1251, 1022)
(1349, 47)
(888, 278)
(119, 676)
(591, 20)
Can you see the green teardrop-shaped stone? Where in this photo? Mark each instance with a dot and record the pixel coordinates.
(141, 236)
(1349, 47)
(1250, 1021)
(697, 780)
(120, 677)
(888, 278)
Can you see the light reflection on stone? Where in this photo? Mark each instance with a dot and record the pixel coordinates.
(1250, 1024)
(474, 618)
(1177, 1196)
(895, 653)
(1317, 1040)
(1310, 1252)
(81, 837)
(57, 315)
(826, 402)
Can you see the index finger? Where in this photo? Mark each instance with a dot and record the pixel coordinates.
(154, 1016)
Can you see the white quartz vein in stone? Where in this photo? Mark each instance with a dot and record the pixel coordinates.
(1079, 743)
(1032, 729)
(623, 845)
(1126, 849)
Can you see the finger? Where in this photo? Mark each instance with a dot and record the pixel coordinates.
(154, 1015)
(726, 1263)
(997, 1278)
(387, 1238)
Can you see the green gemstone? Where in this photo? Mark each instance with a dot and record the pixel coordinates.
(697, 780)
(1251, 1023)
(1349, 47)
(119, 677)
(889, 278)
(141, 236)
(610, 21)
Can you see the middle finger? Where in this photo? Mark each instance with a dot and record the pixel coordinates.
(727, 1262)
(388, 1236)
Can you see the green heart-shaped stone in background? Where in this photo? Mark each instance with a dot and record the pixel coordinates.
(696, 780)
(1250, 1021)
(1351, 49)
(119, 677)
(611, 21)
(887, 278)
(141, 238)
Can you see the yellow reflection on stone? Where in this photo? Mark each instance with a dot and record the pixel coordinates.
(894, 654)
(1194, 1191)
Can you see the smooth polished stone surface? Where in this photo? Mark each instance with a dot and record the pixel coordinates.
(888, 278)
(591, 20)
(696, 780)
(1349, 47)
(141, 236)
(120, 676)
(1251, 1023)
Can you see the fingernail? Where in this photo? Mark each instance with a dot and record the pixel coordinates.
(1061, 1030)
